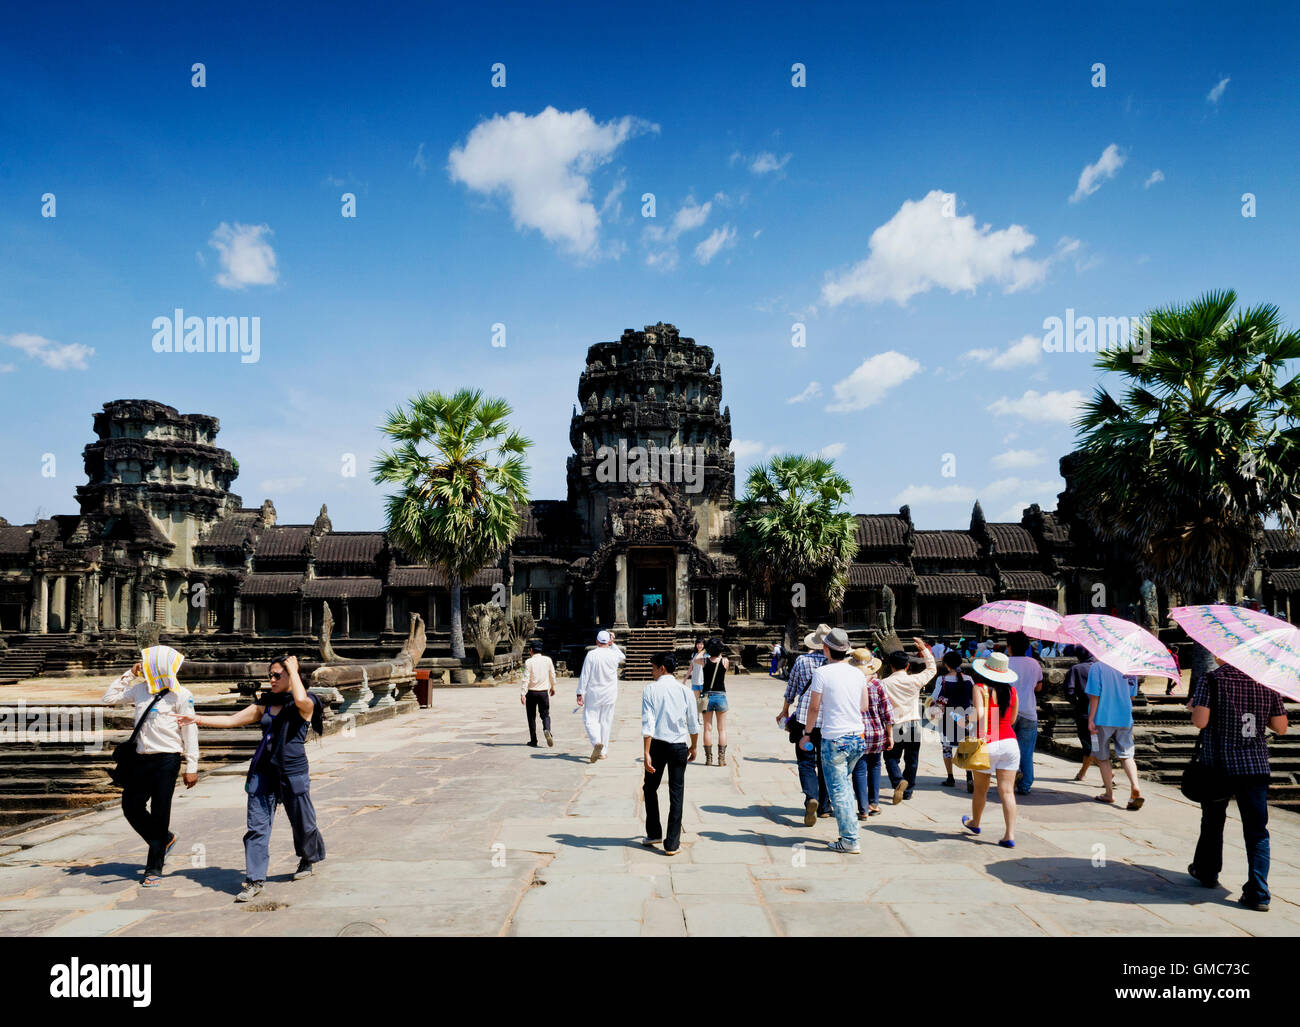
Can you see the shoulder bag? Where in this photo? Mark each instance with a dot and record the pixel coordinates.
(702, 700)
(973, 753)
(1203, 782)
(124, 756)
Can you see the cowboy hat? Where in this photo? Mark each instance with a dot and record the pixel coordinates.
(866, 661)
(815, 639)
(995, 668)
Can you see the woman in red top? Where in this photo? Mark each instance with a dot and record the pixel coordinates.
(995, 712)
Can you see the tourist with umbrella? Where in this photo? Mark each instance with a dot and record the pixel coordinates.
(1259, 661)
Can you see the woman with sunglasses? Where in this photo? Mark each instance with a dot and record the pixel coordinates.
(279, 772)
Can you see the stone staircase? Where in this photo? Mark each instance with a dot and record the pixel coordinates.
(642, 643)
(26, 658)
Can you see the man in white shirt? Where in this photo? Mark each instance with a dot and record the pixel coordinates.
(598, 692)
(839, 695)
(904, 691)
(160, 745)
(668, 718)
(535, 692)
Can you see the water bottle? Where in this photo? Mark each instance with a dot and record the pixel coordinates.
(806, 744)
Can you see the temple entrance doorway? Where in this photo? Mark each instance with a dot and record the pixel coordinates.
(653, 595)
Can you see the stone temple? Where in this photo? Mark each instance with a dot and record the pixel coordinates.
(161, 538)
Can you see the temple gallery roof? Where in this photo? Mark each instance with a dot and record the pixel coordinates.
(945, 545)
(1012, 540)
(433, 577)
(15, 539)
(1029, 581)
(869, 575)
(881, 531)
(339, 588)
(350, 548)
(956, 585)
(271, 585)
(284, 542)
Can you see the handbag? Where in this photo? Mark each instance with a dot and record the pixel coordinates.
(124, 756)
(1202, 782)
(973, 753)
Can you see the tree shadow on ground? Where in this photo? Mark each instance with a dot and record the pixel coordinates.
(1113, 881)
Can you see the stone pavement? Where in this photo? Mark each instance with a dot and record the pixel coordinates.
(445, 823)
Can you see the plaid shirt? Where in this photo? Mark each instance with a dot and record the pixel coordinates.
(800, 680)
(1240, 709)
(877, 719)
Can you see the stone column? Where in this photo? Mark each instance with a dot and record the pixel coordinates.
(142, 612)
(236, 613)
(431, 605)
(347, 620)
(683, 592)
(40, 605)
(90, 609)
(59, 601)
(620, 592)
(388, 611)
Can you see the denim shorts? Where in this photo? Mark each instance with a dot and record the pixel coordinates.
(716, 702)
(1123, 738)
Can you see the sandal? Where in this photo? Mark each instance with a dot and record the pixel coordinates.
(1102, 798)
(965, 822)
(873, 811)
(1136, 802)
(151, 881)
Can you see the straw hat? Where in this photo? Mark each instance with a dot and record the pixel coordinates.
(996, 668)
(865, 660)
(815, 639)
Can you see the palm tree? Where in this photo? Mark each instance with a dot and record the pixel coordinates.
(461, 479)
(1183, 471)
(791, 527)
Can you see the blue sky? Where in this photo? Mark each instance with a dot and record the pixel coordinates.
(776, 205)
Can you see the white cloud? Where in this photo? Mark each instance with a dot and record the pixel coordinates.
(1028, 349)
(1014, 512)
(57, 356)
(1012, 485)
(8, 368)
(246, 256)
(689, 216)
(832, 451)
(1093, 175)
(1155, 176)
(543, 164)
(1017, 459)
(920, 248)
(813, 390)
(874, 377)
(934, 494)
(719, 239)
(1216, 94)
(273, 486)
(420, 162)
(765, 163)
(1035, 406)
(747, 450)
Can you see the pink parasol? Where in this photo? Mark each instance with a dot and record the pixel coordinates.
(1019, 615)
(1260, 646)
(1121, 644)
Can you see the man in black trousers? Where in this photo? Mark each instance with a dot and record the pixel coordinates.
(668, 718)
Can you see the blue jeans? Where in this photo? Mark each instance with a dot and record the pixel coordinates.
(1251, 794)
(811, 777)
(840, 756)
(1027, 738)
(866, 781)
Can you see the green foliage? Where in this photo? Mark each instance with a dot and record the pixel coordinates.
(460, 476)
(1201, 448)
(791, 526)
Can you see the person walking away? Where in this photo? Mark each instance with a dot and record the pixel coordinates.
(996, 704)
(160, 701)
(955, 696)
(877, 732)
(904, 691)
(839, 697)
(812, 779)
(1074, 689)
(776, 659)
(535, 692)
(1110, 719)
(598, 692)
(1029, 682)
(1228, 707)
(715, 706)
(279, 773)
(668, 720)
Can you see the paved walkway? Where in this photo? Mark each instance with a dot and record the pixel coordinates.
(443, 822)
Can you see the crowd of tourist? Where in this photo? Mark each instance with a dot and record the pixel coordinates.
(844, 709)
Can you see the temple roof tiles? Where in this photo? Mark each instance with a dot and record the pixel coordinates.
(271, 585)
(945, 545)
(283, 542)
(867, 575)
(433, 577)
(340, 588)
(880, 531)
(1012, 540)
(350, 548)
(964, 585)
(1029, 581)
